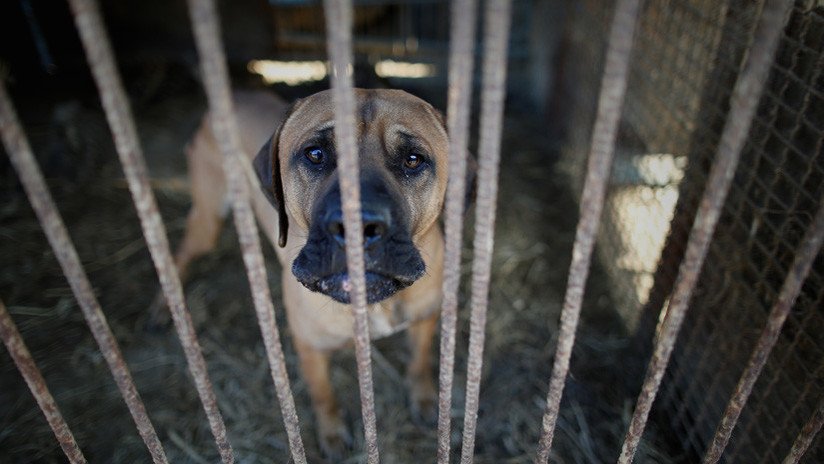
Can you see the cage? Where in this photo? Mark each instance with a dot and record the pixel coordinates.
(686, 60)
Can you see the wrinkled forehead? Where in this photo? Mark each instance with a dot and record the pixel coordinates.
(392, 114)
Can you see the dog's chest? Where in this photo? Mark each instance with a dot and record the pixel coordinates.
(386, 319)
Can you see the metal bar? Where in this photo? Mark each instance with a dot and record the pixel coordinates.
(339, 16)
(205, 23)
(37, 384)
(118, 112)
(744, 101)
(804, 258)
(610, 103)
(461, 64)
(496, 41)
(806, 436)
(41, 200)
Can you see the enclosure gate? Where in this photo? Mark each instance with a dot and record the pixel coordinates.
(743, 105)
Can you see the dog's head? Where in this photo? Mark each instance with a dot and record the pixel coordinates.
(402, 150)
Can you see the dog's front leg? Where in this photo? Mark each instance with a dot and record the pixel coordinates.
(333, 435)
(423, 395)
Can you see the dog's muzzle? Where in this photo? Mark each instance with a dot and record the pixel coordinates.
(392, 260)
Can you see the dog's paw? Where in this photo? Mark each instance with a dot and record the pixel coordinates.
(423, 399)
(335, 439)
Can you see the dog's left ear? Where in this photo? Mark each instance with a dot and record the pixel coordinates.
(268, 169)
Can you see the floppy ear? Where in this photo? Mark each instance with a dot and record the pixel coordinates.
(268, 169)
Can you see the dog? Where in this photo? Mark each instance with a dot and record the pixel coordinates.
(403, 157)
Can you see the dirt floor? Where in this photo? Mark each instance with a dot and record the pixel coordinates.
(535, 228)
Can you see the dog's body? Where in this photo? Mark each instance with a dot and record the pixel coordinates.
(402, 146)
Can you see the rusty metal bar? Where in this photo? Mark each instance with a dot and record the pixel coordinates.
(461, 64)
(804, 258)
(744, 101)
(37, 384)
(41, 200)
(205, 23)
(611, 99)
(806, 436)
(101, 61)
(497, 17)
(339, 17)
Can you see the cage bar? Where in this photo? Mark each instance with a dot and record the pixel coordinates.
(806, 436)
(461, 64)
(339, 44)
(610, 103)
(804, 258)
(37, 384)
(205, 23)
(496, 40)
(746, 95)
(115, 102)
(41, 200)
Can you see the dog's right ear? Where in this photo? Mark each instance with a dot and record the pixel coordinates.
(268, 169)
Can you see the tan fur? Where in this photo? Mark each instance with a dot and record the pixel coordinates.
(318, 323)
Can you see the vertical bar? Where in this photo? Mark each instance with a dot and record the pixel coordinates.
(115, 103)
(805, 438)
(24, 163)
(28, 369)
(611, 99)
(804, 258)
(496, 40)
(461, 69)
(339, 45)
(746, 94)
(205, 23)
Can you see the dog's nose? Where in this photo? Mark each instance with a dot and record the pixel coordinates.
(375, 226)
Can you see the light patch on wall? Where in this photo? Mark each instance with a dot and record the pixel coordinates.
(288, 72)
(642, 208)
(402, 69)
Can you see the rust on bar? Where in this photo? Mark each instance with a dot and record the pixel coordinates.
(206, 27)
(461, 63)
(339, 15)
(806, 436)
(118, 113)
(744, 101)
(613, 89)
(37, 384)
(41, 200)
(496, 42)
(804, 258)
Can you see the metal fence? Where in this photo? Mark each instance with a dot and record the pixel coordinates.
(687, 56)
(688, 84)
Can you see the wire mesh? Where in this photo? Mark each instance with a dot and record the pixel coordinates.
(690, 53)
(806, 436)
(804, 257)
(746, 94)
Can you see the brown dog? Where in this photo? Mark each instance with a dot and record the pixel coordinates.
(402, 143)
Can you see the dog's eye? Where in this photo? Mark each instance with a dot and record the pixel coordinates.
(412, 161)
(315, 155)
